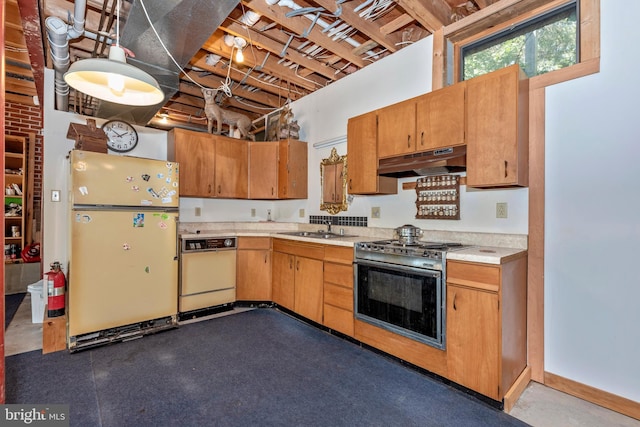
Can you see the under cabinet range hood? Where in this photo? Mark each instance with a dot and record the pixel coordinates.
(435, 162)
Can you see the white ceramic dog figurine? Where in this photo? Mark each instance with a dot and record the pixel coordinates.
(220, 115)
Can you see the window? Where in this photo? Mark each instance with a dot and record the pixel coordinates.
(542, 44)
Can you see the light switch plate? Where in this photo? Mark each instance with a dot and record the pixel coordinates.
(55, 195)
(301, 213)
(198, 211)
(375, 212)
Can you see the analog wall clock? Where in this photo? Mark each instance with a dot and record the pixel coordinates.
(121, 136)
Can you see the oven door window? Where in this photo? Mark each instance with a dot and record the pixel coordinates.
(405, 300)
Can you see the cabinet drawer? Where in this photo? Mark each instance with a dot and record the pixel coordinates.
(338, 274)
(308, 250)
(338, 319)
(254, 243)
(474, 275)
(339, 254)
(338, 296)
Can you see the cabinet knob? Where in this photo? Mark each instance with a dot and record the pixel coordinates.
(209, 189)
(219, 189)
(454, 302)
(408, 141)
(422, 138)
(505, 168)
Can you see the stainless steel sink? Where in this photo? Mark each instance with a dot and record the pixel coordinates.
(316, 234)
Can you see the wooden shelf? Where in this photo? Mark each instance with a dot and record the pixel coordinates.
(412, 185)
(14, 159)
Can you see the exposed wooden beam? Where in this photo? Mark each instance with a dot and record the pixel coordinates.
(368, 28)
(298, 25)
(275, 47)
(431, 14)
(396, 24)
(253, 58)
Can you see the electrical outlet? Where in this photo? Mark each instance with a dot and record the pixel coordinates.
(301, 213)
(198, 211)
(501, 210)
(55, 195)
(375, 212)
(253, 212)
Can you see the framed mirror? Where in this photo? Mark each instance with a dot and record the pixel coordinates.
(333, 179)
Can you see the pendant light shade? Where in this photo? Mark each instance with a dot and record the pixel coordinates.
(114, 80)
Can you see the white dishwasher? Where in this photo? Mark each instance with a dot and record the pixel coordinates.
(207, 276)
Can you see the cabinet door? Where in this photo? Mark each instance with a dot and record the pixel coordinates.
(263, 170)
(232, 168)
(309, 288)
(362, 158)
(440, 118)
(195, 151)
(283, 279)
(473, 339)
(397, 129)
(497, 130)
(292, 170)
(253, 275)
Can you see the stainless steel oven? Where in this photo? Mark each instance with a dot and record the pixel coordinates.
(401, 288)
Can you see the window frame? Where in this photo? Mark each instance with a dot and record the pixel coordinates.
(499, 17)
(510, 33)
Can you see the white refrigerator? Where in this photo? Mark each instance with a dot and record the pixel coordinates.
(123, 264)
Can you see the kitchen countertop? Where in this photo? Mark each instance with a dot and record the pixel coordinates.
(486, 254)
(479, 254)
(337, 241)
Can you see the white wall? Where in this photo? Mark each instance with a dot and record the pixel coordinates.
(592, 216)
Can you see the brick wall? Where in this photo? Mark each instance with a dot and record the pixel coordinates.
(26, 120)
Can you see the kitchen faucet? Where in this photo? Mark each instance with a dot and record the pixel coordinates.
(328, 225)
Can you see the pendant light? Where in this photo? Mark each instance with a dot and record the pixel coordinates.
(113, 79)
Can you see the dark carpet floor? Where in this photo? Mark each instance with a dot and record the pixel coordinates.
(257, 368)
(11, 304)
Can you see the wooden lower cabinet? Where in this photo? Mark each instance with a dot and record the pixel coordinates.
(283, 279)
(486, 325)
(338, 289)
(298, 277)
(253, 274)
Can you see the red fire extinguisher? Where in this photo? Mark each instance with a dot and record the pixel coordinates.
(56, 283)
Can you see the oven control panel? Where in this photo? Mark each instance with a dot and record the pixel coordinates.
(208, 244)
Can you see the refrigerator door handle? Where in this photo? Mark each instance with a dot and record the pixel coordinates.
(175, 257)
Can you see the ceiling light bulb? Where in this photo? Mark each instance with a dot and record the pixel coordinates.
(116, 83)
(239, 56)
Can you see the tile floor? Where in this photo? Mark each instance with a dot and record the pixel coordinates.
(538, 406)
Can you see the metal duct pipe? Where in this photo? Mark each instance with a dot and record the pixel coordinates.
(59, 47)
(77, 28)
(59, 34)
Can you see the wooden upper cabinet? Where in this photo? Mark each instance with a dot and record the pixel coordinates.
(195, 151)
(440, 118)
(210, 165)
(232, 168)
(362, 158)
(292, 169)
(397, 129)
(278, 170)
(263, 170)
(497, 129)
